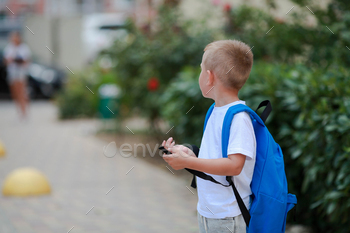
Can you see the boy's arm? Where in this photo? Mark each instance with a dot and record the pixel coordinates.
(182, 157)
(231, 166)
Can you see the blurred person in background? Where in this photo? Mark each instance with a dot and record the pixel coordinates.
(17, 57)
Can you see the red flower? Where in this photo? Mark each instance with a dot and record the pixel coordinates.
(153, 84)
(227, 7)
(279, 20)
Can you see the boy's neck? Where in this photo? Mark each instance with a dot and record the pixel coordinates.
(223, 96)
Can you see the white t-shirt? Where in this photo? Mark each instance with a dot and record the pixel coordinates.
(214, 200)
(12, 51)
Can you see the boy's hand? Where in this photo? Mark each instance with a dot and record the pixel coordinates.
(169, 143)
(180, 157)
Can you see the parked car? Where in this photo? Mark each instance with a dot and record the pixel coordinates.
(44, 80)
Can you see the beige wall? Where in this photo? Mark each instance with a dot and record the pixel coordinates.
(64, 41)
(71, 45)
(41, 38)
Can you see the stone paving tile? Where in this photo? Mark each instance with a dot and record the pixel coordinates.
(147, 199)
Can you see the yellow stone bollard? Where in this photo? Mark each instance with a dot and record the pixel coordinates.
(25, 182)
(2, 150)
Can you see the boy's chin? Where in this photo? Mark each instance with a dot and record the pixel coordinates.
(206, 96)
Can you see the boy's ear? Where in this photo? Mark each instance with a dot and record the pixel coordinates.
(210, 80)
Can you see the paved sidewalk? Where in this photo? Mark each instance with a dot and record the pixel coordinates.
(143, 199)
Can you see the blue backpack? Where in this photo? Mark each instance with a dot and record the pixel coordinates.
(270, 200)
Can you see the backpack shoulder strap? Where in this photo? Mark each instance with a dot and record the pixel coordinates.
(228, 120)
(268, 108)
(210, 110)
(224, 144)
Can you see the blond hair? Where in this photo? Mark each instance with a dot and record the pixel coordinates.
(230, 60)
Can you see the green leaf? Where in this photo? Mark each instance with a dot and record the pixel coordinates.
(296, 154)
(331, 207)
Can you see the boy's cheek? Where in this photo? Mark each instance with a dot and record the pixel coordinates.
(202, 89)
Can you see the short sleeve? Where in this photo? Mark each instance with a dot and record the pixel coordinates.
(242, 137)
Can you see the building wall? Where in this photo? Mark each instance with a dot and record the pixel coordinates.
(61, 35)
(41, 38)
(70, 42)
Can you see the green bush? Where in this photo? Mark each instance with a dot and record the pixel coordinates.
(75, 100)
(310, 121)
(293, 39)
(269, 37)
(314, 133)
(155, 55)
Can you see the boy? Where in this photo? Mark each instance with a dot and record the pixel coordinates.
(226, 66)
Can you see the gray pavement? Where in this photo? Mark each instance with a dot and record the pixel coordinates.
(146, 199)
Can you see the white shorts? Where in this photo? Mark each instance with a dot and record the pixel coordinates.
(16, 73)
(216, 225)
